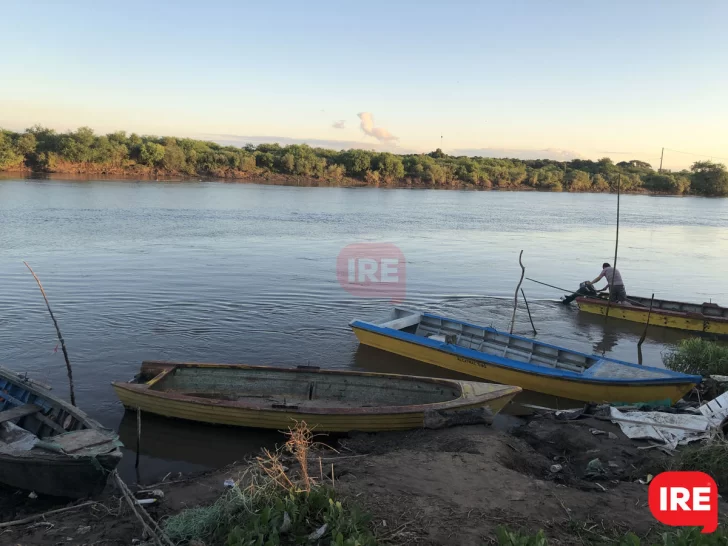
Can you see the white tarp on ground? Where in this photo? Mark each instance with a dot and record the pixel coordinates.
(645, 425)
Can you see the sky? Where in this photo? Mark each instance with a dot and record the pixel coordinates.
(558, 79)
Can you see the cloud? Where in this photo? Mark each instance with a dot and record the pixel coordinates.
(516, 153)
(380, 133)
(341, 124)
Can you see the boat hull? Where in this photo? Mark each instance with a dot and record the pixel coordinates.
(68, 477)
(679, 321)
(370, 419)
(575, 389)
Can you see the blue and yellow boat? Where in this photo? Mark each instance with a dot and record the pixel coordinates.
(490, 355)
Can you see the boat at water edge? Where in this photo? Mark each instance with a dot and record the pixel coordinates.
(49, 446)
(707, 318)
(327, 400)
(491, 355)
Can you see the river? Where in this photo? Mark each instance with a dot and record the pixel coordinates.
(226, 272)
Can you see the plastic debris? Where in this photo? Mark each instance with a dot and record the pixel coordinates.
(647, 480)
(32, 495)
(676, 429)
(612, 436)
(229, 483)
(143, 502)
(596, 431)
(318, 533)
(595, 469)
(555, 468)
(286, 525)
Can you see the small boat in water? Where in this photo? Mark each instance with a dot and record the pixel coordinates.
(488, 354)
(327, 400)
(707, 318)
(49, 446)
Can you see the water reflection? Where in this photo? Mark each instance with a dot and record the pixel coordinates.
(187, 446)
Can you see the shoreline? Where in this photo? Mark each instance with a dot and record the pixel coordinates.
(276, 179)
(438, 487)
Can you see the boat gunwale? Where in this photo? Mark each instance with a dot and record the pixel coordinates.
(657, 311)
(503, 362)
(34, 388)
(464, 400)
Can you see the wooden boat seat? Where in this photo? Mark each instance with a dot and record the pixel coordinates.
(18, 412)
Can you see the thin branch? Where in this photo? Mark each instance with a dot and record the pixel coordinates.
(58, 332)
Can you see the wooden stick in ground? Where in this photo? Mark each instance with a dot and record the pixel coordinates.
(529, 311)
(149, 525)
(616, 248)
(139, 437)
(644, 332)
(515, 298)
(58, 332)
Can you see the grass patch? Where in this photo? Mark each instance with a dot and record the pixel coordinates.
(698, 356)
(269, 506)
(689, 536)
(710, 456)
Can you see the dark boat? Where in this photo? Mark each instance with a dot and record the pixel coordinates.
(49, 446)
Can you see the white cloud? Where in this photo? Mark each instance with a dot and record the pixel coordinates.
(380, 133)
(340, 124)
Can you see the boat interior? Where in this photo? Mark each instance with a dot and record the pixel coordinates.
(492, 342)
(27, 418)
(489, 341)
(293, 388)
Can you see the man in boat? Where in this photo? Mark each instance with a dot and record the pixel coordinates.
(617, 293)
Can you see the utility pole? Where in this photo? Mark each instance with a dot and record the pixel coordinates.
(661, 156)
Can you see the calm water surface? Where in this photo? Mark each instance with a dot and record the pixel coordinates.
(206, 271)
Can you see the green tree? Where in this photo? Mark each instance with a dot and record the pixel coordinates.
(357, 162)
(174, 158)
(9, 157)
(389, 166)
(578, 181)
(664, 182)
(151, 153)
(26, 144)
(709, 178)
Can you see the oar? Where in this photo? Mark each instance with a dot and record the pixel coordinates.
(551, 285)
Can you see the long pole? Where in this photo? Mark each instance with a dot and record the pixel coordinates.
(58, 332)
(515, 297)
(644, 332)
(661, 156)
(616, 248)
(529, 312)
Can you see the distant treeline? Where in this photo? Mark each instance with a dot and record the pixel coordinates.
(44, 150)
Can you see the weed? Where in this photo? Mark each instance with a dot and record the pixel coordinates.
(698, 356)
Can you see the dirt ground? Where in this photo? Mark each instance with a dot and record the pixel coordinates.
(441, 487)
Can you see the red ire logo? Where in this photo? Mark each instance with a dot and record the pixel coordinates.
(685, 499)
(372, 270)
